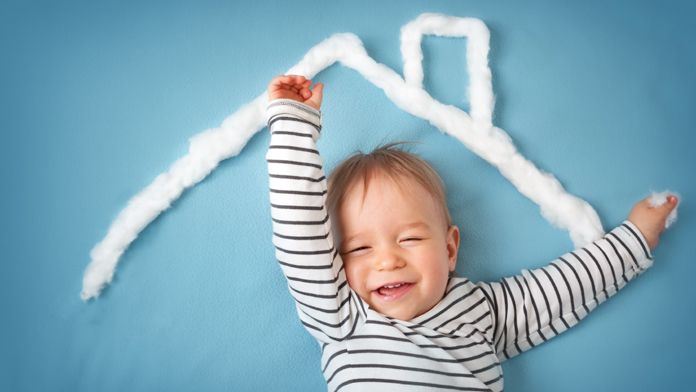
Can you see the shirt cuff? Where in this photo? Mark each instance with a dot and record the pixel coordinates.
(637, 250)
(298, 109)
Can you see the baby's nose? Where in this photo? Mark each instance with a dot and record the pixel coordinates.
(389, 261)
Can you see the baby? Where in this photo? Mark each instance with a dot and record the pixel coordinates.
(376, 292)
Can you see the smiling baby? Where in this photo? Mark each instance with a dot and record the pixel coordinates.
(375, 289)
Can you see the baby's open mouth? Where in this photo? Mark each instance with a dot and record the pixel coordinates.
(393, 291)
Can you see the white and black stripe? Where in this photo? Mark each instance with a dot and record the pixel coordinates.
(459, 344)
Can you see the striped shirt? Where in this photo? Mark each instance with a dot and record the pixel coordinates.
(457, 345)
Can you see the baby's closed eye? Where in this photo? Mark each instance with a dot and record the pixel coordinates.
(412, 242)
(355, 250)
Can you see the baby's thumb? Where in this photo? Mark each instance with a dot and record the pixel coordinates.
(668, 206)
(317, 94)
(666, 209)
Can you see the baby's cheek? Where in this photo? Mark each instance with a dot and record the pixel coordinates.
(352, 275)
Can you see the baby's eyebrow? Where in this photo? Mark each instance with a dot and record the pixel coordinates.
(416, 225)
(348, 240)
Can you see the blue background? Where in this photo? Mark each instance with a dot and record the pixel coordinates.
(98, 99)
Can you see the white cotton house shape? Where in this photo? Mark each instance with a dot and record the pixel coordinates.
(474, 129)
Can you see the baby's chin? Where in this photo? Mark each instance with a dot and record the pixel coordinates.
(402, 313)
(399, 314)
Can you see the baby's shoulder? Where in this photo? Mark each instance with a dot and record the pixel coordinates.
(459, 285)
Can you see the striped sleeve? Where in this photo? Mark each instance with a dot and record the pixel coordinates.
(537, 305)
(301, 225)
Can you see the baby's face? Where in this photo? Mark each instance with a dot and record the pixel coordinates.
(396, 247)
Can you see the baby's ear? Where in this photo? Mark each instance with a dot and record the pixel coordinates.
(452, 246)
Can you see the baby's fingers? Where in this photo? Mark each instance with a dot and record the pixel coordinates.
(303, 89)
(287, 82)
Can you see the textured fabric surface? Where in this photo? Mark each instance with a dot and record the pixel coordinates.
(97, 99)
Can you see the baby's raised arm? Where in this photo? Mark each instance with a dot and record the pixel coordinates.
(301, 226)
(537, 305)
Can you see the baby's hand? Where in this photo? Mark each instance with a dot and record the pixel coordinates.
(651, 221)
(295, 87)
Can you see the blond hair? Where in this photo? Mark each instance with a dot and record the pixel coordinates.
(396, 164)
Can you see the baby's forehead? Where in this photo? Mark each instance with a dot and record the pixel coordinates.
(408, 188)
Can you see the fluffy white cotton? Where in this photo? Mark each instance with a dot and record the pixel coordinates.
(206, 151)
(659, 199)
(475, 130)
